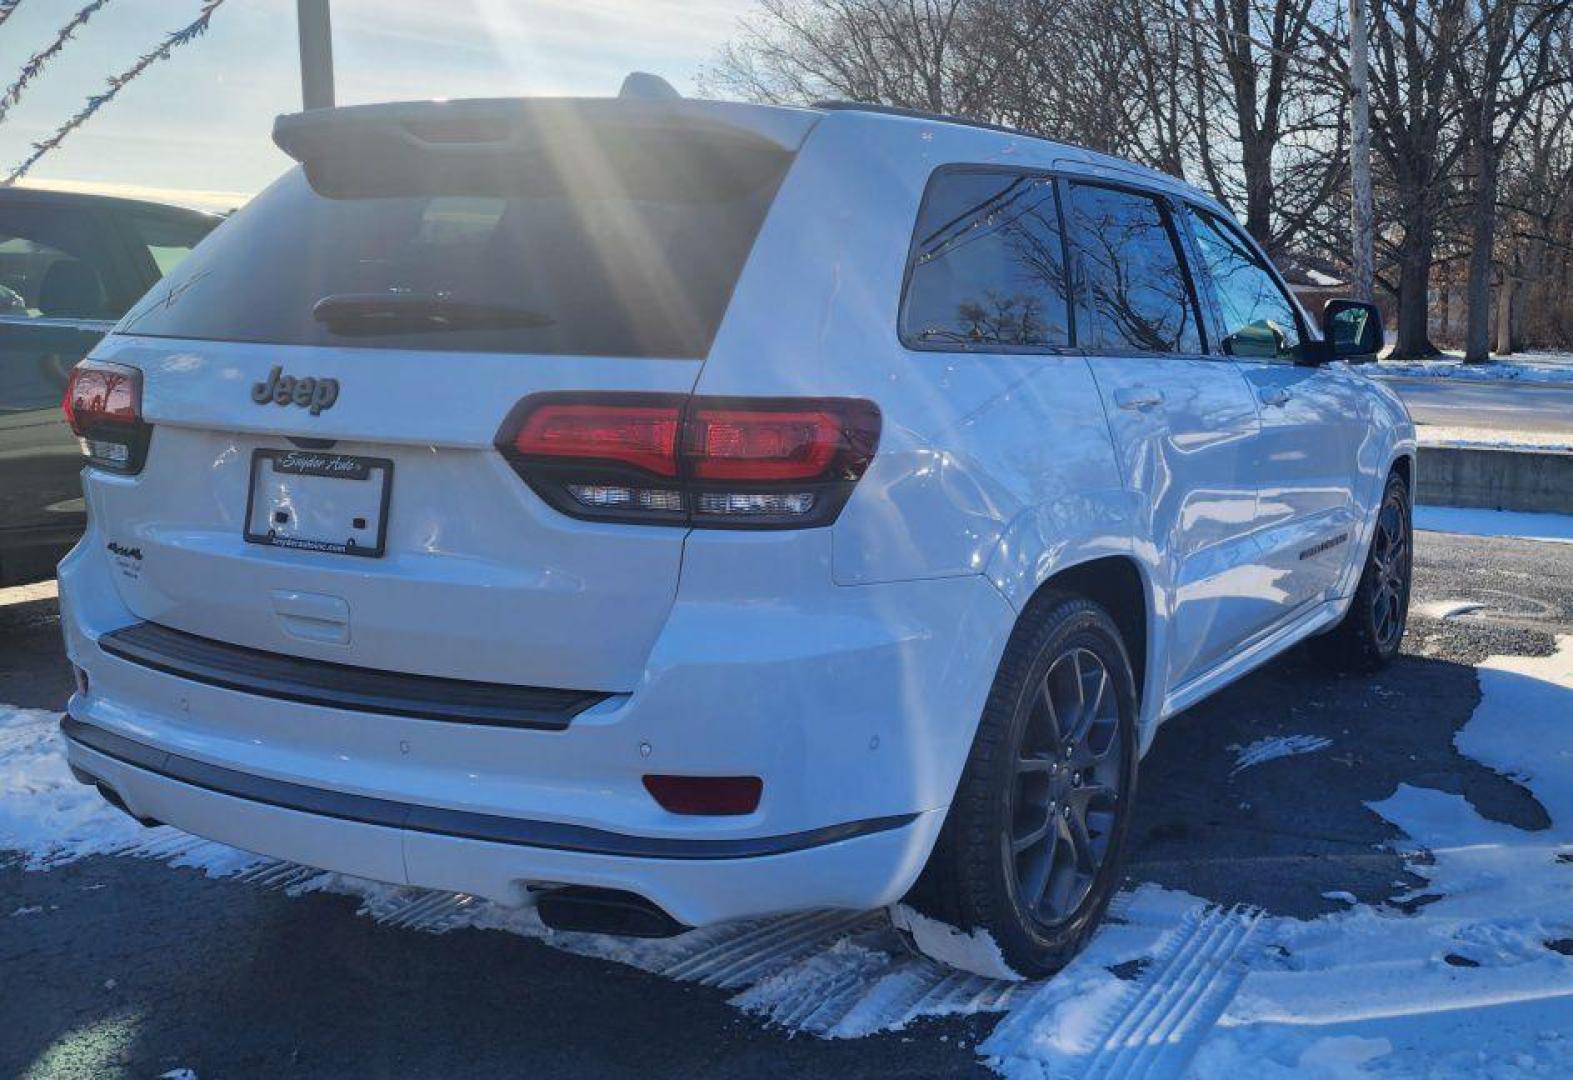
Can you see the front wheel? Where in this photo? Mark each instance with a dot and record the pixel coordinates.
(1032, 847)
(1371, 631)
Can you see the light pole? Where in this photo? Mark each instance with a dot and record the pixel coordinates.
(1362, 226)
(316, 54)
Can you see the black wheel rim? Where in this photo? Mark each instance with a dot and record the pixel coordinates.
(1066, 792)
(1390, 563)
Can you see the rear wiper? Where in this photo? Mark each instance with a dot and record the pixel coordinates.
(412, 312)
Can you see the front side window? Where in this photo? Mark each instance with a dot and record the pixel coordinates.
(988, 268)
(1135, 298)
(1259, 321)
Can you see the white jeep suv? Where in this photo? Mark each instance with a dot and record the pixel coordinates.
(667, 511)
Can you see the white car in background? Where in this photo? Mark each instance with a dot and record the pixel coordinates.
(667, 512)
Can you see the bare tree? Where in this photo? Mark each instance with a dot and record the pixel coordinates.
(945, 56)
(1506, 67)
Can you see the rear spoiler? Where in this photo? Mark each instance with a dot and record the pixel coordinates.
(370, 147)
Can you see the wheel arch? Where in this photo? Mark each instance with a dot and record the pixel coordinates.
(1404, 466)
(1121, 586)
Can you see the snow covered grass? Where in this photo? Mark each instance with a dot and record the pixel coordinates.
(1524, 367)
(1466, 976)
(1556, 442)
(1553, 528)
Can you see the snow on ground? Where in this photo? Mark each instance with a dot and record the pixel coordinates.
(1277, 746)
(1523, 367)
(1555, 528)
(1469, 975)
(1493, 439)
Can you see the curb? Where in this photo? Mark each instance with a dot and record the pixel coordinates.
(1530, 481)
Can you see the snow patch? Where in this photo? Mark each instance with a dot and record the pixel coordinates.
(976, 952)
(1274, 747)
(1493, 438)
(1552, 528)
(1536, 367)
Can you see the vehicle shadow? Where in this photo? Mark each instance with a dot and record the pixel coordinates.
(1280, 833)
(33, 671)
(146, 968)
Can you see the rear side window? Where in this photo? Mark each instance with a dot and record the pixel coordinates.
(167, 240)
(987, 265)
(1136, 298)
(1259, 321)
(641, 263)
(53, 266)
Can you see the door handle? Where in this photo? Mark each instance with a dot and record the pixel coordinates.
(1137, 397)
(1274, 395)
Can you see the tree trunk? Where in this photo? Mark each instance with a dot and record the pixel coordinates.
(1483, 227)
(1257, 163)
(1505, 314)
(1415, 255)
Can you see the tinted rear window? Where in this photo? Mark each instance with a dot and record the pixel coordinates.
(987, 267)
(644, 266)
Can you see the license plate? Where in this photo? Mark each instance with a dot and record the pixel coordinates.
(318, 501)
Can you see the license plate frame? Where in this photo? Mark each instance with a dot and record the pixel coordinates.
(318, 465)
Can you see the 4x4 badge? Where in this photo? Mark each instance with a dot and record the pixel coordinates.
(308, 393)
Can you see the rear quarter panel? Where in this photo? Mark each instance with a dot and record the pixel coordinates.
(988, 464)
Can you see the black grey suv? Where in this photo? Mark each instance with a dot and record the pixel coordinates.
(70, 266)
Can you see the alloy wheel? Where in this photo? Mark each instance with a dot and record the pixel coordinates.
(1067, 789)
(1390, 559)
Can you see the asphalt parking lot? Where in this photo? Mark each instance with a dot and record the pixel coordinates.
(138, 967)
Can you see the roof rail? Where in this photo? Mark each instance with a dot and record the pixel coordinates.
(1108, 161)
(924, 114)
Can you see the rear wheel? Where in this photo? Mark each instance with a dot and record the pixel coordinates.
(1032, 847)
(1372, 629)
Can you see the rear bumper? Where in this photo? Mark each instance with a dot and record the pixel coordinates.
(855, 865)
(854, 704)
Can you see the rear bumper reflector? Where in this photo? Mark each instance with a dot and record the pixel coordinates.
(464, 824)
(342, 686)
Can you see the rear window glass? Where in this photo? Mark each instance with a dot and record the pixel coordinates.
(643, 266)
(987, 265)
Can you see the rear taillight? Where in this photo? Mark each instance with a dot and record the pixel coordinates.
(712, 462)
(103, 405)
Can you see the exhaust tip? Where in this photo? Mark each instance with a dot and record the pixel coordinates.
(586, 910)
(112, 797)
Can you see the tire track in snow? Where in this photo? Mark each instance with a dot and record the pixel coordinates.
(836, 974)
(1155, 1027)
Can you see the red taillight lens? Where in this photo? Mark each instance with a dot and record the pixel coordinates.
(103, 405)
(714, 462)
(733, 444)
(715, 795)
(644, 436)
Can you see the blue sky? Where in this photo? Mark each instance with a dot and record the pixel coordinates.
(195, 128)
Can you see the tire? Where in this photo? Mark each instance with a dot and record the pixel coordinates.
(1023, 777)
(1372, 630)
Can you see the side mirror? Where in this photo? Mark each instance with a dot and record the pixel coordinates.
(1352, 329)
